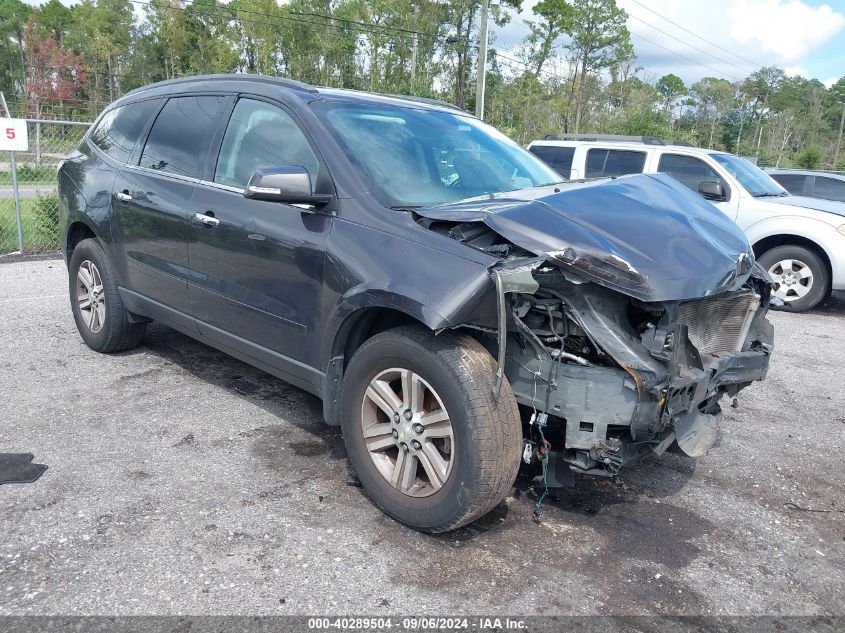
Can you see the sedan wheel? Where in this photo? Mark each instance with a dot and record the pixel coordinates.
(407, 432)
(89, 295)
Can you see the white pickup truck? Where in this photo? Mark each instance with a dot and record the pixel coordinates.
(800, 241)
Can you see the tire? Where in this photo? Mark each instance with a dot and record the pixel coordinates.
(484, 450)
(110, 330)
(793, 286)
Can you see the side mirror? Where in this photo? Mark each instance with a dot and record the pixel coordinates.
(290, 184)
(711, 190)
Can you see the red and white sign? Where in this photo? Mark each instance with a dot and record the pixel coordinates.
(13, 137)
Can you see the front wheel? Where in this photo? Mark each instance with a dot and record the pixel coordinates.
(800, 276)
(431, 445)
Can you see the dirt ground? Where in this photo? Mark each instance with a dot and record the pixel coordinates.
(183, 481)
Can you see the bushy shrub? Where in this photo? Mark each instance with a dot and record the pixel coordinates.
(42, 223)
(808, 158)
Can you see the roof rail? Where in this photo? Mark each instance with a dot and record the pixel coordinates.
(279, 81)
(618, 138)
(426, 100)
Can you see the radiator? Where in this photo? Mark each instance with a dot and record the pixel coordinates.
(719, 324)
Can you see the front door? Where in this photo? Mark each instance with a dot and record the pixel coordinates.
(151, 199)
(692, 171)
(257, 266)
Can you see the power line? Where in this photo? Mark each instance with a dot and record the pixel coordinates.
(689, 59)
(724, 50)
(700, 50)
(367, 24)
(224, 12)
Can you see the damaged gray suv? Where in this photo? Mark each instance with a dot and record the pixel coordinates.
(457, 307)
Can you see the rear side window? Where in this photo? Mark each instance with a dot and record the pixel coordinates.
(829, 188)
(119, 129)
(613, 162)
(558, 158)
(793, 183)
(689, 170)
(180, 135)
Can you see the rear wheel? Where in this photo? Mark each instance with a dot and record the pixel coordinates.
(800, 276)
(426, 437)
(102, 320)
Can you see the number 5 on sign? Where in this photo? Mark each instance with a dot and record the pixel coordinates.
(13, 137)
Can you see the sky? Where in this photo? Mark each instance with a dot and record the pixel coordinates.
(723, 38)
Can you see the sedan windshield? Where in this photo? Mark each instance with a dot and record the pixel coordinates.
(756, 182)
(411, 157)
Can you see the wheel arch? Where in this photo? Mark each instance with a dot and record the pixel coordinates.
(77, 231)
(356, 328)
(790, 239)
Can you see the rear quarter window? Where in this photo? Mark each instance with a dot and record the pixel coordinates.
(613, 162)
(119, 130)
(558, 158)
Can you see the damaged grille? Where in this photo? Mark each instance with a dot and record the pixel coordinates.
(719, 324)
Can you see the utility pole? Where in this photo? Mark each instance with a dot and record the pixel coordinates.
(482, 62)
(839, 140)
(414, 64)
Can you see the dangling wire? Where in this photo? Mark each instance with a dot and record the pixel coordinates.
(543, 456)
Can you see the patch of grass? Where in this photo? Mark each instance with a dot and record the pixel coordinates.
(30, 174)
(39, 223)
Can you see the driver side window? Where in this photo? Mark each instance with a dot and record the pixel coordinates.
(261, 135)
(690, 171)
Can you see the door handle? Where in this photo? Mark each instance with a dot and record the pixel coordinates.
(123, 195)
(207, 219)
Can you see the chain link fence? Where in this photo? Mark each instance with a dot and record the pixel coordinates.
(29, 212)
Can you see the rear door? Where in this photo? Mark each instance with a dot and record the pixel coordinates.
(257, 266)
(152, 198)
(603, 162)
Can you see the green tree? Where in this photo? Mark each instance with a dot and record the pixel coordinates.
(599, 38)
(14, 15)
(555, 18)
(671, 88)
(55, 20)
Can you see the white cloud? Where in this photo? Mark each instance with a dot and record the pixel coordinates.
(735, 37)
(796, 71)
(829, 82)
(788, 29)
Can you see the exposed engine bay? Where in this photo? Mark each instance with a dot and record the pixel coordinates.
(610, 365)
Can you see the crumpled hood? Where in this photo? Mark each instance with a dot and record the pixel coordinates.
(817, 204)
(647, 236)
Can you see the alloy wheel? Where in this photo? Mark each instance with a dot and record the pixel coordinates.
(407, 432)
(89, 296)
(793, 279)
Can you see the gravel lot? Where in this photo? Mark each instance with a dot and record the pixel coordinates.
(183, 481)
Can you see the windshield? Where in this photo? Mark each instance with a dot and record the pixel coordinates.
(755, 181)
(412, 157)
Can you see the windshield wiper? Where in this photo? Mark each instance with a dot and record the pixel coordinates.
(407, 207)
(771, 195)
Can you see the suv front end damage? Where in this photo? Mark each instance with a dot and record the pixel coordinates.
(620, 342)
(619, 377)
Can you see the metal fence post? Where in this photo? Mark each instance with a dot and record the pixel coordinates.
(16, 194)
